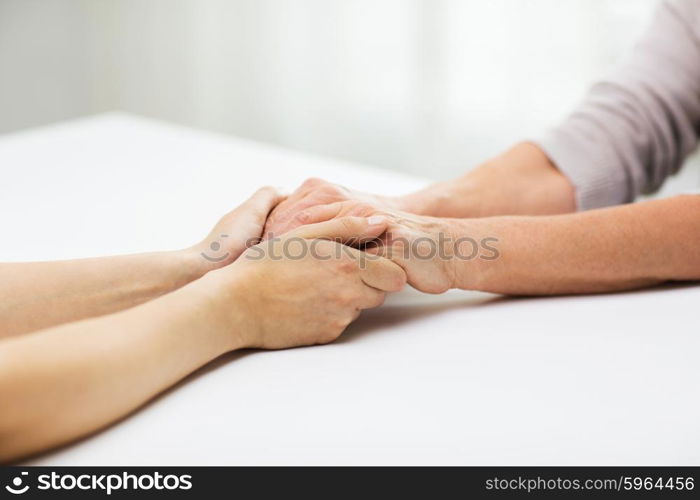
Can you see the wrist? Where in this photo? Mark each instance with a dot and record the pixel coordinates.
(235, 299)
(452, 248)
(414, 203)
(192, 263)
(203, 258)
(220, 298)
(175, 268)
(423, 202)
(458, 198)
(477, 253)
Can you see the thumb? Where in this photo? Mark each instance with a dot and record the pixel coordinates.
(262, 201)
(348, 230)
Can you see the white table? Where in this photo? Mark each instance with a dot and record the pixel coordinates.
(463, 378)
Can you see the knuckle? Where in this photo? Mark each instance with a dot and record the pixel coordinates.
(312, 181)
(349, 223)
(400, 281)
(363, 209)
(303, 216)
(329, 191)
(339, 325)
(323, 247)
(345, 298)
(332, 331)
(326, 338)
(347, 265)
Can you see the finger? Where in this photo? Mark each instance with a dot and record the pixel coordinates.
(319, 213)
(279, 221)
(311, 184)
(291, 215)
(345, 229)
(371, 297)
(378, 248)
(262, 201)
(378, 272)
(382, 274)
(389, 247)
(310, 194)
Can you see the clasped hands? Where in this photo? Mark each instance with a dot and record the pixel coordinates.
(316, 258)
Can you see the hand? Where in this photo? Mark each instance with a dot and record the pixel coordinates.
(236, 230)
(292, 212)
(301, 290)
(423, 246)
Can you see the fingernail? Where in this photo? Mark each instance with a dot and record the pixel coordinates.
(376, 220)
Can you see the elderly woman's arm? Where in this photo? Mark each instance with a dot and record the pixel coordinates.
(603, 250)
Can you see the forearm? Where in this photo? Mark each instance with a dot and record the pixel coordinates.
(596, 251)
(62, 383)
(41, 294)
(521, 181)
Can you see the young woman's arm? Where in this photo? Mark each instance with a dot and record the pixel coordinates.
(37, 295)
(65, 382)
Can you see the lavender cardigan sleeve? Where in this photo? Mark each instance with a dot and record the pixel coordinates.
(635, 129)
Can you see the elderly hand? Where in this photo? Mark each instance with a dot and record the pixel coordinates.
(423, 246)
(429, 249)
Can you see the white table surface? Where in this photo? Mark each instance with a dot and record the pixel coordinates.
(462, 378)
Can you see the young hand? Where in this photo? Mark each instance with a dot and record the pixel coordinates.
(304, 289)
(236, 231)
